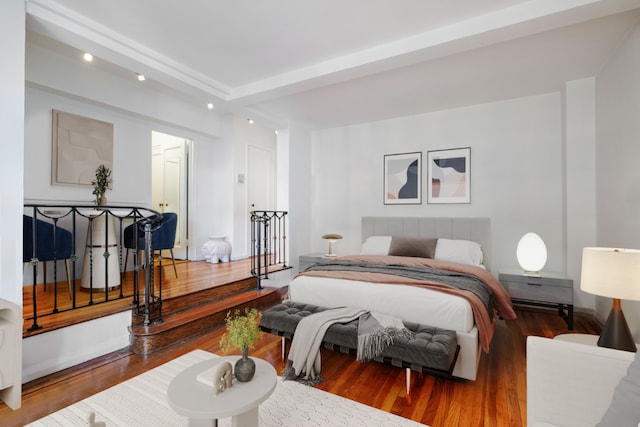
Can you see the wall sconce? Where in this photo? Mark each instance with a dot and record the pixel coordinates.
(532, 254)
(331, 238)
(613, 273)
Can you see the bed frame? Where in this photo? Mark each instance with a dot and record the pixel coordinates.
(475, 229)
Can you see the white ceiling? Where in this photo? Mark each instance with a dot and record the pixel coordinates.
(327, 63)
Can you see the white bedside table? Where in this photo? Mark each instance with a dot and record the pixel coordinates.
(553, 290)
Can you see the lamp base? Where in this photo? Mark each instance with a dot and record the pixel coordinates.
(616, 333)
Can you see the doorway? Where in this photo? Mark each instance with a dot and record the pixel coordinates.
(261, 179)
(170, 184)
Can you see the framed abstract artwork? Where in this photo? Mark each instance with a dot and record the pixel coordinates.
(80, 145)
(449, 176)
(403, 179)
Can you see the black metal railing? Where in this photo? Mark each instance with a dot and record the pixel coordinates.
(268, 242)
(57, 232)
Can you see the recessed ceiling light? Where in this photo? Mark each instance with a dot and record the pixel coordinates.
(210, 106)
(141, 78)
(250, 121)
(87, 57)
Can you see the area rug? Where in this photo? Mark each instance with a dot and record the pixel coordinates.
(142, 401)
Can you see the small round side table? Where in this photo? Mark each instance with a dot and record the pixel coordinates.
(188, 396)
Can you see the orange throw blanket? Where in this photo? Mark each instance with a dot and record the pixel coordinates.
(485, 322)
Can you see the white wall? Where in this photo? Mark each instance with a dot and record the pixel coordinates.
(617, 154)
(580, 179)
(301, 189)
(12, 32)
(527, 154)
(517, 172)
(12, 27)
(131, 152)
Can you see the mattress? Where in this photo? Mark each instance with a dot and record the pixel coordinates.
(410, 303)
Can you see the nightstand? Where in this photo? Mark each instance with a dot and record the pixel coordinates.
(553, 290)
(307, 260)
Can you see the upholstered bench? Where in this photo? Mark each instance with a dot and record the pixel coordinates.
(432, 351)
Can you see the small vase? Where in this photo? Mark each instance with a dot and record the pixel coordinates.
(245, 367)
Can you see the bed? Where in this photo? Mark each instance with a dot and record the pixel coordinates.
(452, 245)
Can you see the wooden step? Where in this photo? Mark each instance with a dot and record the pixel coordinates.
(199, 315)
(181, 302)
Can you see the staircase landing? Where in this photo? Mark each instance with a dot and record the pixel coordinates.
(194, 303)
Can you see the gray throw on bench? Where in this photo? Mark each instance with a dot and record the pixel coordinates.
(431, 350)
(376, 331)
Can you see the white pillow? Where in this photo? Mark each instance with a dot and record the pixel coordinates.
(376, 245)
(461, 251)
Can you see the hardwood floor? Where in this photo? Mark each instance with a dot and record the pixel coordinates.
(497, 398)
(192, 277)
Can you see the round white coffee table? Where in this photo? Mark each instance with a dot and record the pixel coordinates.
(188, 396)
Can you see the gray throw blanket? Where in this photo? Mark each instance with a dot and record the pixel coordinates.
(375, 333)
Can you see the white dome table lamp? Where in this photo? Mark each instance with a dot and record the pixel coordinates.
(532, 254)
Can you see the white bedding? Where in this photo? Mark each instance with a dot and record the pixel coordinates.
(410, 303)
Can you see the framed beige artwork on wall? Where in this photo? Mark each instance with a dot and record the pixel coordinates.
(80, 145)
(403, 179)
(449, 176)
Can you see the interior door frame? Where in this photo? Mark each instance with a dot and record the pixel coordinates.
(187, 175)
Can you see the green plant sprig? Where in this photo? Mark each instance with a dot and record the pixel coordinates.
(102, 182)
(243, 330)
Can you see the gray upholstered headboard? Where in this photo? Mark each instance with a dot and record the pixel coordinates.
(476, 229)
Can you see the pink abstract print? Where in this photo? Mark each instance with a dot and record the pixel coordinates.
(448, 176)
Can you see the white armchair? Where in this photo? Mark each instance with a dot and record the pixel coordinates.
(570, 384)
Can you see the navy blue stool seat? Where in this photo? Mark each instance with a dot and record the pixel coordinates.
(163, 238)
(51, 243)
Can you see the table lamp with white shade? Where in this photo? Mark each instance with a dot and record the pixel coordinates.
(331, 238)
(613, 273)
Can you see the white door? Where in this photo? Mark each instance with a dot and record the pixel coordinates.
(261, 179)
(169, 184)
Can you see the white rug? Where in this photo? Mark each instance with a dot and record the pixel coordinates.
(142, 401)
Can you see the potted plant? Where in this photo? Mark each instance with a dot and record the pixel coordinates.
(101, 184)
(242, 333)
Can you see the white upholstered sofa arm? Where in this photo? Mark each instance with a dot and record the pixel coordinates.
(571, 384)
